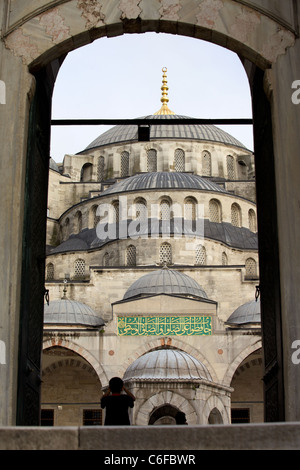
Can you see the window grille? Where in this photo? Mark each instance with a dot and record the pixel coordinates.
(96, 218)
(190, 209)
(200, 255)
(124, 164)
(79, 269)
(206, 164)
(240, 415)
(236, 215)
(116, 212)
(165, 254)
(100, 169)
(47, 417)
(151, 160)
(251, 268)
(224, 259)
(92, 417)
(131, 256)
(252, 220)
(165, 211)
(179, 160)
(50, 272)
(141, 210)
(214, 211)
(230, 167)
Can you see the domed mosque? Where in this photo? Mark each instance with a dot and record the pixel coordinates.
(152, 271)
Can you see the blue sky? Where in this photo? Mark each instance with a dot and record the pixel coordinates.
(121, 77)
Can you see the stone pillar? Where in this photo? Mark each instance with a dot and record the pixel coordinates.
(19, 87)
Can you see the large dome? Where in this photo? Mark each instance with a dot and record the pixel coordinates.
(70, 312)
(163, 180)
(201, 132)
(165, 281)
(167, 364)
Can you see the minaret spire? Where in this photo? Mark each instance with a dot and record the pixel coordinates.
(164, 99)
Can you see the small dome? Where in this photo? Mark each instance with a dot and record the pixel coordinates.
(53, 165)
(165, 281)
(167, 364)
(199, 132)
(70, 312)
(163, 180)
(246, 313)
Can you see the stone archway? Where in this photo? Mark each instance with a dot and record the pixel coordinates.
(34, 43)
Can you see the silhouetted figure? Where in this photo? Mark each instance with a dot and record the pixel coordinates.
(180, 418)
(117, 403)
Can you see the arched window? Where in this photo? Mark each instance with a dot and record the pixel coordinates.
(230, 167)
(100, 169)
(106, 260)
(94, 219)
(179, 160)
(165, 253)
(141, 212)
(50, 272)
(66, 228)
(236, 215)
(79, 269)
(190, 208)
(252, 220)
(215, 211)
(165, 210)
(206, 163)
(200, 255)
(131, 255)
(224, 259)
(151, 160)
(124, 164)
(78, 222)
(251, 268)
(115, 211)
(86, 172)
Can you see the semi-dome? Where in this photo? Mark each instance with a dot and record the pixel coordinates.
(165, 281)
(70, 312)
(167, 365)
(246, 313)
(199, 132)
(163, 180)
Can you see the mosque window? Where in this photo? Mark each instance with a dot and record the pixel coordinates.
(151, 160)
(230, 167)
(79, 268)
(236, 216)
(50, 272)
(252, 220)
(66, 228)
(215, 211)
(124, 164)
(165, 253)
(86, 172)
(190, 207)
(179, 160)
(200, 255)
(165, 210)
(92, 417)
(251, 268)
(141, 209)
(78, 221)
(131, 255)
(206, 164)
(116, 211)
(100, 169)
(224, 259)
(106, 260)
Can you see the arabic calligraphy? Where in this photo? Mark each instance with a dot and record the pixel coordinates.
(164, 325)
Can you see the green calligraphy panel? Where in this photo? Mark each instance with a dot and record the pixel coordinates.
(167, 325)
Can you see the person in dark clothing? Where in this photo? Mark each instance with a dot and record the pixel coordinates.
(117, 403)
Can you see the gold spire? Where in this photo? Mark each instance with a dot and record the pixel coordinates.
(164, 99)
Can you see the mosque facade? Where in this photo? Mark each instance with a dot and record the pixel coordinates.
(152, 275)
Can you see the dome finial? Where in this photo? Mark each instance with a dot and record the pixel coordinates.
(164, 99)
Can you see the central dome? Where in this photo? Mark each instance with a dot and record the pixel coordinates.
(165, 281)
(167, 364)
(201, 132)
(163, 180)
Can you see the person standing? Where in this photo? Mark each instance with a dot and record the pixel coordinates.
(117, 404)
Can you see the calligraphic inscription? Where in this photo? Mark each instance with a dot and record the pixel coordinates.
(161, 326)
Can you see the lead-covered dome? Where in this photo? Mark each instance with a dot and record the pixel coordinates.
(167, 365)
(70, 312)
(200, 132)
(246, 313)
(163, 180)
(165, 281)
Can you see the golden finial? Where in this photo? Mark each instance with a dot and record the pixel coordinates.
(164, 99)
